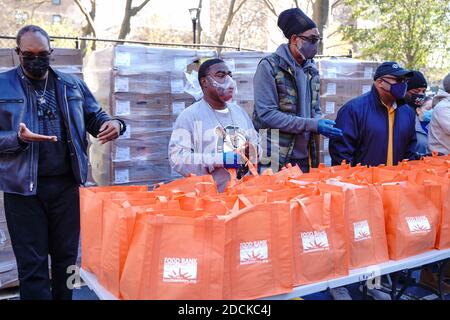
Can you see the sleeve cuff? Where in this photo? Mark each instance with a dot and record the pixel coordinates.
(312, 125)
(22, 144)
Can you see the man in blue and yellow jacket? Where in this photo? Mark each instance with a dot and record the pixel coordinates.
(378, 128)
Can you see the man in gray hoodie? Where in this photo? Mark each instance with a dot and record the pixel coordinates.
(287, 107)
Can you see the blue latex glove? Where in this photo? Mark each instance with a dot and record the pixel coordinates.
(230, 160)
(326, 129)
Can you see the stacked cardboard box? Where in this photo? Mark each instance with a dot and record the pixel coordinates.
(243, 66)
(6, 59)
(8, 269)
(145, 87)
(340, 81)
(65, 60)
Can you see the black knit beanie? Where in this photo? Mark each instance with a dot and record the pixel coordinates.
(294, 21)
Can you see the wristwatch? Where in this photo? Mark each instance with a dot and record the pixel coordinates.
(123, 126)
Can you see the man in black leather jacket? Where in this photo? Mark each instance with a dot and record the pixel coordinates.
(44, 117)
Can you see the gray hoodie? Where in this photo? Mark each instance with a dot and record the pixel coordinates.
(266, 102)
(439, 129)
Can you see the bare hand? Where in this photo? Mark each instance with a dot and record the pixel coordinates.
(109, 131)
(248, 150)
(27, 136)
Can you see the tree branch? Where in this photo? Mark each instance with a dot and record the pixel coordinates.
(271, 7)
(336, 4)
(135, 10)
(87, 15)
(238, 8)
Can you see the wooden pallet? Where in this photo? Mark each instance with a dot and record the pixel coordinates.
(10, 293)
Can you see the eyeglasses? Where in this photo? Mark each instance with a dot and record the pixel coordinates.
(30, 55)
(312, 40)
(396, 80)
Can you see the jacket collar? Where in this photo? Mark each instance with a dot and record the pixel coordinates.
(377, 99)
(288, 63)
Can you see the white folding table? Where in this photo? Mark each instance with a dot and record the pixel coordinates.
(355, 276)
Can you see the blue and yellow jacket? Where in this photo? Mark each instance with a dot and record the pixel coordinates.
(365, 123)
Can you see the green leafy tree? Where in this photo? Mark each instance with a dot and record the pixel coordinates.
(413, 32)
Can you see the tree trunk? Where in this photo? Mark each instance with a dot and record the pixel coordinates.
(320, 17)
(130, 12)
(89, 29)
(231, 13)
(125, 28)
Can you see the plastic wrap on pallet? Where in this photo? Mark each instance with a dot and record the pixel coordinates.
(145, 87)
(143, 59)
(243, 62)
(8, 267)
(346, 68)
(341, 79)
(9, 279)
(243, 65)
(6, 59)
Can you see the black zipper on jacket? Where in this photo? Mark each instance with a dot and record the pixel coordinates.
(33, 144)
(69, 135)
(12, 101)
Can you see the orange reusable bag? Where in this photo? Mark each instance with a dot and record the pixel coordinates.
(442, 200)
(91, 220)
(265, 179)
(258, 252)
(364, 215)
(411, 219)
(319, 238)
(379, 175)
(118, 225)
(200, 184)
(174, 258)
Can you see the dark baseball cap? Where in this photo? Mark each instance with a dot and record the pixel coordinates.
(393, 69)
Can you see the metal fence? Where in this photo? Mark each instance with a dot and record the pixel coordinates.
(88, 44)
(99, 43)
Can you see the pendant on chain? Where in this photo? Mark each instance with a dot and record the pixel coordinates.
(41, 100)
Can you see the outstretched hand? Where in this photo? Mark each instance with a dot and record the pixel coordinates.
(26, 135)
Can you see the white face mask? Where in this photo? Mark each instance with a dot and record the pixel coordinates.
(224, 90)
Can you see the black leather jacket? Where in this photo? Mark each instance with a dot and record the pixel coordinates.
(81, 113)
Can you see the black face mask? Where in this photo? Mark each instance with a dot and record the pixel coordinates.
(36, 66)
(415, 100)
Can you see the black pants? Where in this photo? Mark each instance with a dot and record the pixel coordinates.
(43, 225)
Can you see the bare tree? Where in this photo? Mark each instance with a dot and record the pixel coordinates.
(130, 12)
(89, 29)
(231, 13)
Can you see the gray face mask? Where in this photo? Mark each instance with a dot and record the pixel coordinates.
(308, 50)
